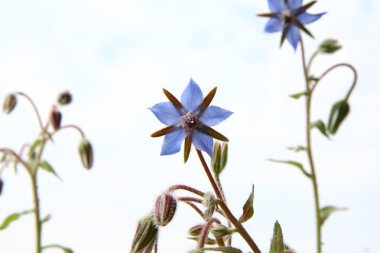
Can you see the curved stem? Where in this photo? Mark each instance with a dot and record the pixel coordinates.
(186, 188)
(309, 152)
(337, 66)
(224, 207)
(72, 126)
(34, 108)
(205, 231)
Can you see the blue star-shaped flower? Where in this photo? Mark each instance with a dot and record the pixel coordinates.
(189, 120)
(289, 16)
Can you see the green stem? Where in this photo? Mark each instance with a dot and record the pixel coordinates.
(225, 208)
(310, 152)
(37, 215)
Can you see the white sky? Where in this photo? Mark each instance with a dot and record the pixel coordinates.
(115, 56)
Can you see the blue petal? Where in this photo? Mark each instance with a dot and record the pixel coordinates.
(202, 142)
(166, 113)
(294, 4)
(293, 35)
(172, 142)
(306, 18)
(276, 6)
(213, 115)
(192, 96)
(274, 25)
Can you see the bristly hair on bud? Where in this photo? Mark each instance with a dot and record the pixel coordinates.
(86, 154)
(55, 118)
(145, 236)
(10, 103)
(164, 209)
(64, 98)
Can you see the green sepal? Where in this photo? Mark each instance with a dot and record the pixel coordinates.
(277, 243)
(248, 209)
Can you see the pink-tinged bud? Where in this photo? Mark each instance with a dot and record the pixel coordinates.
(195, 230)
(55, 118)
(145, 236)
(1, 185)
(86, 153)
(64, 98)
(9, 104)
(164, 209)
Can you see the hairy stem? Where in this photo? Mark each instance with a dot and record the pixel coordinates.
(310, 152)
(225, 208)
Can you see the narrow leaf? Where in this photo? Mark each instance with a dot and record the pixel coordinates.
(277, 243)
(47, 167)
(162, 132)
(187, 148)
(173, 100)
(298, 95)
(32, 149)
(297, 149)
(326, 211)
(46, 218)
(248, 210)
(293, 163)
(321, 127)
(13, 217)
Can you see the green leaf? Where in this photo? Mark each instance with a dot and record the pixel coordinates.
(46, 218)
(248, 210)
(13, 217)
(297, 149)
(293, 163)
(56, 246)
(277, 243)
(32, 149)
(312, 79)
(320, 125)
(47, 167)
(298, 95)
(326, 211)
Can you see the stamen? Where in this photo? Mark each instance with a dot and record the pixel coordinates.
(189, 121)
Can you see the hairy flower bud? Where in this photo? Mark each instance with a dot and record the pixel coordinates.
(9, 104)
(1, 185)
(209, 200)
(86, 153)
(338, 113)
(145, 236)
(55, 118)
(220, 230)
(329, 46)
(164, 209)
(64, 98)
(195, 230)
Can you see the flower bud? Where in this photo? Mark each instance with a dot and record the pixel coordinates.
(338, 113)
(145, 236)
(1, 185)
(329, 46)
(209, 200)
(196, 230)
(64, 98)
(55, 118)
(220, 230)
(10, 102)
(164, 209)
(86, 153)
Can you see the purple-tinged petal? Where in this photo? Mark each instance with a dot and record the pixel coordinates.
(294, 4)
(293, 35)
(276, 6)
(192, 96)
(274, 25)
(202, 142)
(213, 115)
(166, 113)
(306, 18)
(172, 142)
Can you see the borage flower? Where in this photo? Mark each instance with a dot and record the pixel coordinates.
(289, 16)
(189, 120)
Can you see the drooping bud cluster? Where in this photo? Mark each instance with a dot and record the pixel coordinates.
(64, 98)
(55, 118)
(9, 104)
(164, 209)
(145, 236)
(86, 153)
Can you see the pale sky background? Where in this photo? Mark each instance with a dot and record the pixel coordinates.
(115, 57)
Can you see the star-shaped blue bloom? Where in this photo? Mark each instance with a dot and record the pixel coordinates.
(189, 120)
(289, 16)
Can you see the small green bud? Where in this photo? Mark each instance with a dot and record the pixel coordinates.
(219, 160)
(10, 103)
(64, 98)
(86, 153)
(220, 230)
(195, 230)
(329, 46)
(55, 118)
(209, 200)
(145, 236)
(164, 209)
(338, 113)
